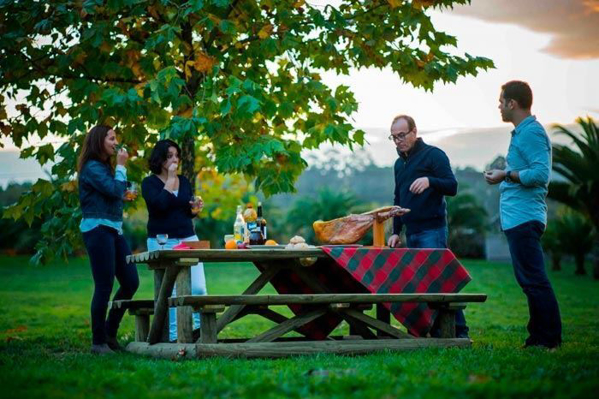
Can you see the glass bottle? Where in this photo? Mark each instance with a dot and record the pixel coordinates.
(239, 226)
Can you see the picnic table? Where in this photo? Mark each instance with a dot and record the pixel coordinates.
(339, 284)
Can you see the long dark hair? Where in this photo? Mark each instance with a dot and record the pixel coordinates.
(159, 154)
(93, 147)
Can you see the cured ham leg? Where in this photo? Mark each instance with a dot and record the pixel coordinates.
(350, 229)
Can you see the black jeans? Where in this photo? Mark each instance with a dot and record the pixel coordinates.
(107, 251)
(437, 238)
(545, 325)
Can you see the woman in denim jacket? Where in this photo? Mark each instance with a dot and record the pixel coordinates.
(101, 190)
(171, 209)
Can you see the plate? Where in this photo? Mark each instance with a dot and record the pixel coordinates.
(266, 246)
(344, 245)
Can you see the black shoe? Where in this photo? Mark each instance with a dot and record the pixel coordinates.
(101, 350)
(113, 344)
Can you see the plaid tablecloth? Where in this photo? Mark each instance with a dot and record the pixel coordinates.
(374, 270)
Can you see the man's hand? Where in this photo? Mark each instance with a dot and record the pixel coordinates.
(394, 241)
(121, 157)
(420, 185)
(494, 176)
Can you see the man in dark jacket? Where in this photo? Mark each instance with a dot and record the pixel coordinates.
(423, 178)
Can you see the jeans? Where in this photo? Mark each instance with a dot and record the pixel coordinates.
(544, 325)
(107, 251)
(198, 283)
(437, 238)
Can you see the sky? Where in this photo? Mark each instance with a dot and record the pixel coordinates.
(551, 44)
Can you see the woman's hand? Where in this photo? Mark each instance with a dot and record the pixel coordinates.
(197, 204)
(172, 170)
(121, 157)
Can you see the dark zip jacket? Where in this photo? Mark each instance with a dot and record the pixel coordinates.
(428, 210)
(100, 194)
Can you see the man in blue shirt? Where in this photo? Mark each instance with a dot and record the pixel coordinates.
(423, 178)
(523, 210)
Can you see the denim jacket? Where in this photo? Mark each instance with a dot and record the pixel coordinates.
(100, 194)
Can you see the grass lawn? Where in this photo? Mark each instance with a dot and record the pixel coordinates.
(45, 339)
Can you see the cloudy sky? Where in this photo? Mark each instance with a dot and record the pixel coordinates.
(551, 44)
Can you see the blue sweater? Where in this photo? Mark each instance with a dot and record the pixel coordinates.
(428, 210)
(168, 213)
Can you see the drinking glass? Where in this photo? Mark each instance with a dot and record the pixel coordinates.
(195, 199)
(162, 239)
(131, 192)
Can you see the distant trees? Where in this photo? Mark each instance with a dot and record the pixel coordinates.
(467, 220)
(579, 165)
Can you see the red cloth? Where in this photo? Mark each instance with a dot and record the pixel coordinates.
(374, 270)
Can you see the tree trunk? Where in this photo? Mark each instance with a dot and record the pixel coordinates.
(556, 262)
(579, 259)
(188, 161)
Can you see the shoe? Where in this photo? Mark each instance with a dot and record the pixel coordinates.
(101, 350)
(113, 344)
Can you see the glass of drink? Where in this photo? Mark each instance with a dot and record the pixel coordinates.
(131, 192)
(162, 239)
(196, 202)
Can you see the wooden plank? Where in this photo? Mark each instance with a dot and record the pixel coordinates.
(184, 313)
(288, 325)
(208, 334)
(378, 325)
(293, 348)
(287, 299)
(382, 314)
(231, 313)
(158, 278)
(159, 322)
(227, 255)
(132, 304)
(142, 327)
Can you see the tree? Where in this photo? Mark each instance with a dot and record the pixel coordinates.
(237, 82)
(578, 165)
(575, 236)
(552, 245)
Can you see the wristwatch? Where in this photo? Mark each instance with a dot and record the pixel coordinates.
(507, 177)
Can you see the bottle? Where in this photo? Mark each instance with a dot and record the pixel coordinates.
(261, 222)
(239, 226)
(249, 215)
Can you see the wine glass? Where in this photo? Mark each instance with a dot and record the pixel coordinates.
(195, 203)
(131, 192)
(162, 239)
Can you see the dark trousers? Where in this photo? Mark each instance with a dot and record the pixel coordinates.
(107, 251)
(437, 238)
(544, 325)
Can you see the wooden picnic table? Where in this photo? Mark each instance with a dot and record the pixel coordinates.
(321, 304)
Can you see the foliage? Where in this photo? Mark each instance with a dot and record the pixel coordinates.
(552, 245)
(237, 83)
(578, 165)
(467, 221)
(45, 337)
(575, 236)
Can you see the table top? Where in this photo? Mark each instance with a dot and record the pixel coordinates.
(226, 255)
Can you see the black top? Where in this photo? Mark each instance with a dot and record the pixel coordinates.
(428, 210)
(168, 213)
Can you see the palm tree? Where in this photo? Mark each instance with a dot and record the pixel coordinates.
(579, 165)
(552, 245)
(575, 237)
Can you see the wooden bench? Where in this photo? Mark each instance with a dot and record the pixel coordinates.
(141, 309)
(349, 306)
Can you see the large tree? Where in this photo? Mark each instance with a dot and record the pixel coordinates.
(578, 164)
(237, 82)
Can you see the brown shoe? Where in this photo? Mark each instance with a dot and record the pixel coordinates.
(113, 344)
(101, 350)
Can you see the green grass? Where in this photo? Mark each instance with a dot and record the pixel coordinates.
(45, 339)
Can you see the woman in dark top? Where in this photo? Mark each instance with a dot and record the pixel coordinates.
(101, 190)
(171, 209)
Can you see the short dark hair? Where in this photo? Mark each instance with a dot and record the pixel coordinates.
(159, 154)
(518, 91)
(407, 118)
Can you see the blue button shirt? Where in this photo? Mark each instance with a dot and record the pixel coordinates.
(120, 173)
(530, 155)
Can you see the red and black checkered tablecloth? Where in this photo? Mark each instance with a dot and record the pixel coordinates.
(378, 270)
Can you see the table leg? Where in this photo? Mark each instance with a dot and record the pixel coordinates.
(158, 277)
(159, 323)
(184, 313)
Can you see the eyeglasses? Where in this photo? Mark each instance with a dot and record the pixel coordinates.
(398, 136)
